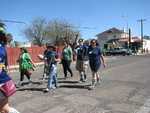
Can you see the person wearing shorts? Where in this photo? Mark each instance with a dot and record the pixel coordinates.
(95, 60)
(82, 60)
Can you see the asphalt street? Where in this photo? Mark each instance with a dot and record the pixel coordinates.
(124, 89)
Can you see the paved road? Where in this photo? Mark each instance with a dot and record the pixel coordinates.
(124, 89)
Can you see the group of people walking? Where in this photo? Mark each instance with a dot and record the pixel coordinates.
(86, 55)
(89, 54)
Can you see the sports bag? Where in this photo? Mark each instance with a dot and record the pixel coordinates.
(8, 88)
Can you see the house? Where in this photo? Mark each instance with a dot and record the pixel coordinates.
(146, 45)
(110, 35)
(114, 37)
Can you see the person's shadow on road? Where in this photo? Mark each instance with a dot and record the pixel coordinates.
(31, 89)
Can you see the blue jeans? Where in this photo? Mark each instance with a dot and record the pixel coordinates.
(52, 81)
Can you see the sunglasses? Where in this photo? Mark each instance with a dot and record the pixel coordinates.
(93, 42)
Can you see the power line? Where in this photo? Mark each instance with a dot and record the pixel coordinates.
(80, 27)
(12, 21)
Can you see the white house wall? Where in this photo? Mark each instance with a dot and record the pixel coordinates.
(146, 44)
(103, 39)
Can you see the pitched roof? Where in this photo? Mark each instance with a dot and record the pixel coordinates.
(110, 31)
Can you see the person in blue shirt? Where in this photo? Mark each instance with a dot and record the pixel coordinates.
(82, 59)
(51, 58)
(4, 77)
(3, 59)
(95, 60)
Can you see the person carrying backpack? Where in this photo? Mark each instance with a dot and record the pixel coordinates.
(82, 59)
(51, 58)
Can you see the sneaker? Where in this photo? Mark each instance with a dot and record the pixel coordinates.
(91, 87)
(44, 78)
(57, 86)
(65, 77)
(81, 81)
(53, 87)
(84, 80)
(46, 90)
(71, 75)
(13, 110)
(30, 81)
(99, 81)
(19, 84)
(93, 82)
(85, 77)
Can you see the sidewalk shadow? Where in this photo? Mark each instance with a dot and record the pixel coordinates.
(33, 82)
(59, 78)
(28, 83)
(75, 86)
(31, 89)
(68, 81)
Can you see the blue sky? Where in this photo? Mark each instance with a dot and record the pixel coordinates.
(98, 14)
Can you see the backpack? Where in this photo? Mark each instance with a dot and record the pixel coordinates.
(50, 57)
(82, 53)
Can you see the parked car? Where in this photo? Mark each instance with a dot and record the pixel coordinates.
(118, 51)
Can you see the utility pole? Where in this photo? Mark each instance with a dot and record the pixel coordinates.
(129, 38)
(141, 21)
